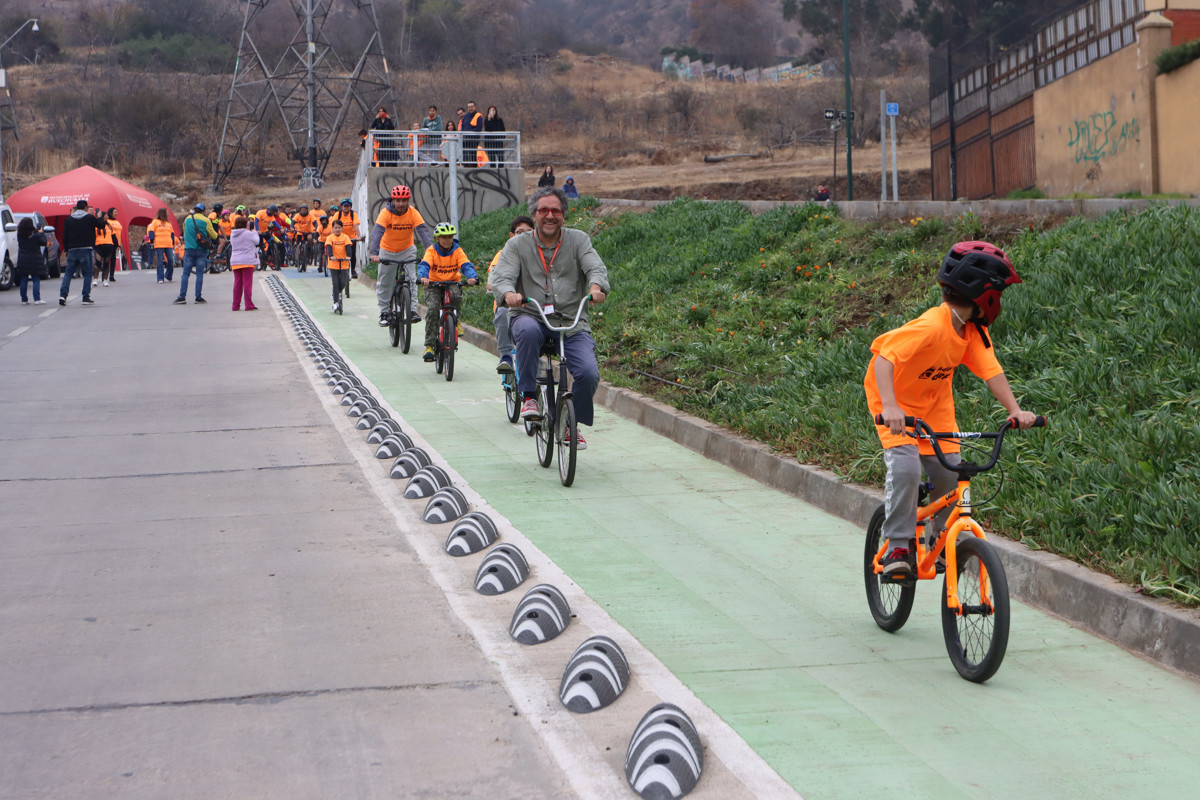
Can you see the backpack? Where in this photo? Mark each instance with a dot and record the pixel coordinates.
(204, 241)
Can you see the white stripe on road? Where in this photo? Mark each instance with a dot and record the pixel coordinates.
(19, 331)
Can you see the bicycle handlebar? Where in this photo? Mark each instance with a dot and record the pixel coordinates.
(542, 314)
(921, 430)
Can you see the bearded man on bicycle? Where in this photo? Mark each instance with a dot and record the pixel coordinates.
(392, 242)
(557, 268)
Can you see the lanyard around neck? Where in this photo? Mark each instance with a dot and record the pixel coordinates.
(546, 267)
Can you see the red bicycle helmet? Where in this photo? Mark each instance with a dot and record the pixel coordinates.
(979, 271)
(401, 192)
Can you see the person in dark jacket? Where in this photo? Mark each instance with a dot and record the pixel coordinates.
(31, 264)
(472, 125)
(79, 240)
(493, 145)
(388, 155)
(547, 178)
(569, 188)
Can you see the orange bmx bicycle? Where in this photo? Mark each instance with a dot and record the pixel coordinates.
(975, 607)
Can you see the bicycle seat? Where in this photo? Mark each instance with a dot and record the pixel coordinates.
(549, 348)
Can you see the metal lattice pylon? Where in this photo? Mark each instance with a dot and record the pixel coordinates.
(310, 88)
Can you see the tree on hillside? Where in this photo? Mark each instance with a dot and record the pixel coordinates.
(733, 31)
(873, 27)
(1006, 21)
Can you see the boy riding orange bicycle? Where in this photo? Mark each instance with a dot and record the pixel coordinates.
(911, 374)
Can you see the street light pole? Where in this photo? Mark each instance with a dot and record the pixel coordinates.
(849, 116)
(4, 86)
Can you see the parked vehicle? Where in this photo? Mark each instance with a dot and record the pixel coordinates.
(8, 247)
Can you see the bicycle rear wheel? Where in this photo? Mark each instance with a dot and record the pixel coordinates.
(890, 603)
(449, 345)
(404, 317)
(543, 432)
(977, 634)
(565, 436)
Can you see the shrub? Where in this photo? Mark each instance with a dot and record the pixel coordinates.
(1179, 56)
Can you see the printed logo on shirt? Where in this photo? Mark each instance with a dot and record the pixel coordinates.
(937, 374)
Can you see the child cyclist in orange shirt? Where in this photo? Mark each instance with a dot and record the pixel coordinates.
(911, 374)
(337, 256)
(444, 260)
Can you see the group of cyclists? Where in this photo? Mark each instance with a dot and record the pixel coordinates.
(293, 237)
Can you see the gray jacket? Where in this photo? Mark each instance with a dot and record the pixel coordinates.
(576, 267)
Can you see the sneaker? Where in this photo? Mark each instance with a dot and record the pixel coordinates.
(529, 409)
(179, 301)
(505, 367)
(200, 300)
(24, 302)
(383, 320)
(428, 354)
(161, 281)
(335, 307)
(87, 301)
(106, 283)
(898, 563)
(39, 302)
(62, 301)
(580, 442)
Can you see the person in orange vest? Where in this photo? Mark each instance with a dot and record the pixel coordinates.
(305, 225)
(337, 256)
(392, 242)
(324, 231)
(351, 228)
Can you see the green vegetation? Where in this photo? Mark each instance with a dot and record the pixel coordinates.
(1179, 56)
(763, 325)
(1026, 194)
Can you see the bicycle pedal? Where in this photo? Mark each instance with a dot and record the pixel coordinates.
(905, 581)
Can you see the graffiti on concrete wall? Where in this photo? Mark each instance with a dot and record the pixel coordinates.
(479, 190)
(1098, 136)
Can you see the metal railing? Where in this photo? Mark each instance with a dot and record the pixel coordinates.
(424, 148)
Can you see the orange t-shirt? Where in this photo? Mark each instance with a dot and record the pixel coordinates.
(304, 224)
(337, 243)
(398, 228)
(324, 231)
(162, 233)
(924, 353)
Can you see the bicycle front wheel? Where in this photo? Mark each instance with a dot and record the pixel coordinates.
(890, 603)
(976, 633)
(543, 432)
(565, 436)
(404, 319)
(449, 345)
(394, 321)
(512, 398)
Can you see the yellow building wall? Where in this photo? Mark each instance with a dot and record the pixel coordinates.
(1093, 128)
(1179, 129)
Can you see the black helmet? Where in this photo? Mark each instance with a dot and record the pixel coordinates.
(980, 272)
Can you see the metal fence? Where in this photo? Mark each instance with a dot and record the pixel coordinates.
(424, 148)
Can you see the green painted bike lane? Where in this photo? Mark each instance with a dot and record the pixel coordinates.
(755, 600)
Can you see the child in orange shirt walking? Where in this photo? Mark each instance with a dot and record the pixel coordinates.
(911, 374)
(337, 258)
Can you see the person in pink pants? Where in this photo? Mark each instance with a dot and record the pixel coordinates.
(243, 258)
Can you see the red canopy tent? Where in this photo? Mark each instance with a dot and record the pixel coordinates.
(55, 198)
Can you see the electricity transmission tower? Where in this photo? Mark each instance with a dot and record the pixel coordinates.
(311, 89)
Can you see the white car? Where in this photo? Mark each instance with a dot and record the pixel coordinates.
(8, 247)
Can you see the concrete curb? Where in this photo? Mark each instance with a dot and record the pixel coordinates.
(1154, 629)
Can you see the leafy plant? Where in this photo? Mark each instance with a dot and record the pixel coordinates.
(1181, 55)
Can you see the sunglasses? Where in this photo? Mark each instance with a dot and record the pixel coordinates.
(548, 212)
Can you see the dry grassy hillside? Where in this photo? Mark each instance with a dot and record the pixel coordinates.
(620, 128)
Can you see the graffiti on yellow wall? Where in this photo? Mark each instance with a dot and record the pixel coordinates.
(1098, 136)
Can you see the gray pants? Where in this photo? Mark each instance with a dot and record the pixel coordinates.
(504, 342)
(386, 282)
(904, 465)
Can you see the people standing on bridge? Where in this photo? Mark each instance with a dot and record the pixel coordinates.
(557, 268)
(388, 153)
(493, 145)
(472, 126)
(432, 141)
(396, 228)
(79, 240)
